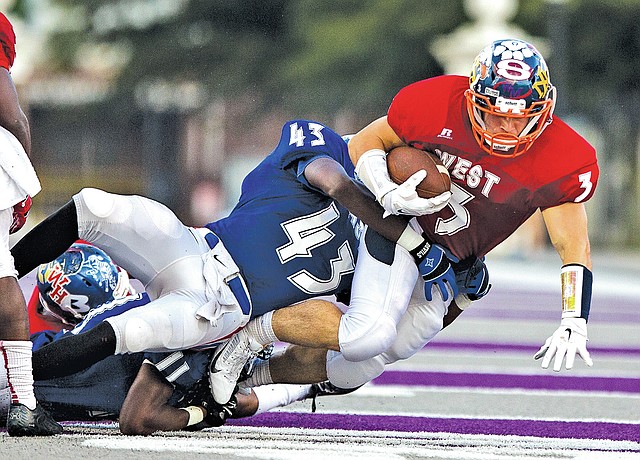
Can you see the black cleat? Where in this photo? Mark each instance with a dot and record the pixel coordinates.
(218, 414)
(23, 421)
(326, 388)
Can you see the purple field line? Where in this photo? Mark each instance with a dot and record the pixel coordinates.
(486, 346)
(500, 427)
(511, 381)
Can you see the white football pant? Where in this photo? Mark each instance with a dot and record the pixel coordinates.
(155, 247)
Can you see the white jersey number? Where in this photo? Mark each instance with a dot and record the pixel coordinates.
(461, 218)
(586, 184)
(297, 137)
(306, 233)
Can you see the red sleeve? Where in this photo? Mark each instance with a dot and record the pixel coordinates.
(420, 110)
(569, 164)
(8, 42)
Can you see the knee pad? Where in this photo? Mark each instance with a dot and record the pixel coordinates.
(368, 344)
(138, 335)
(417, 327)
(347, 374)
(97, 202)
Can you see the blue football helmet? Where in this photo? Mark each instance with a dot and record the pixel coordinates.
(81, 279)
(510, 79)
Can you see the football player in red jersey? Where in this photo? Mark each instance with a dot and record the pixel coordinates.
(508, 156)
(18, 182)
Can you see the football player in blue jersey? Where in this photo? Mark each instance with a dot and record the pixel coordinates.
(289, 239)
(145, 392)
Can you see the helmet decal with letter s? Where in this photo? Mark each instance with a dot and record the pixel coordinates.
(510, 79)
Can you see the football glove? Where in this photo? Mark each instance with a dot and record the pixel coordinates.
(570, 338)
(435, 269)
(20, 213)
(404, 198)
(396, 199)
(472, 277)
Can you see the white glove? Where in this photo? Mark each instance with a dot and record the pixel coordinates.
(569, 338)
(396, 199)
(405, 200)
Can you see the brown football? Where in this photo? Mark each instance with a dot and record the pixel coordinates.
(403, 162)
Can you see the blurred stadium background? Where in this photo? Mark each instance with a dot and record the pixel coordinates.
(178, 99)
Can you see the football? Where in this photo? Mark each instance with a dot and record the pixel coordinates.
(403, 162)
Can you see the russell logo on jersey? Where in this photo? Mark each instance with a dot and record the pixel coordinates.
(446, 133)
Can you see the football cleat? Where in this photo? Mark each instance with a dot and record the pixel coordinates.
(23, 421)
(228, 362)
(218, 414)
(326, 388)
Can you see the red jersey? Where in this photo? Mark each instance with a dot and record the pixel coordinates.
(492, 196)
(8, 43)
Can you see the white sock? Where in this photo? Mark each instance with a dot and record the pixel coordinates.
(261, 330)
(16, 355)
(261, 375)
(279, 395)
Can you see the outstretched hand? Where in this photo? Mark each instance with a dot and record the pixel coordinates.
(567, 341)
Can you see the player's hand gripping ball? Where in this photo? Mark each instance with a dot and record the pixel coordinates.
(405, 161)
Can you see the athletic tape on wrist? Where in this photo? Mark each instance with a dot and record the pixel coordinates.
(577, 282)
(196, 415)
(410, 239)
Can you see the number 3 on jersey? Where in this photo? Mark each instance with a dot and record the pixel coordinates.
(306, 233)
(297, 136)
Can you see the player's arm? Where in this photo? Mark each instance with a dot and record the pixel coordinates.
(376, 135)
(145, 409)
(330, 177)
(12, 118)
(567, 227)
(568, 231)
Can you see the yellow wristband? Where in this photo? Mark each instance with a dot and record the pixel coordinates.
(196, 414)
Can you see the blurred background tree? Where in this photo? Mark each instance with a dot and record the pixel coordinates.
(175, 98)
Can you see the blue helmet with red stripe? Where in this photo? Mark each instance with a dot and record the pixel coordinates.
(81, 279)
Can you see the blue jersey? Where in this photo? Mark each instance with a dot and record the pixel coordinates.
(290, 240)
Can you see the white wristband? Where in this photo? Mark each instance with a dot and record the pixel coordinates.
(372, 171)
(410, 239)
(196, 414)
